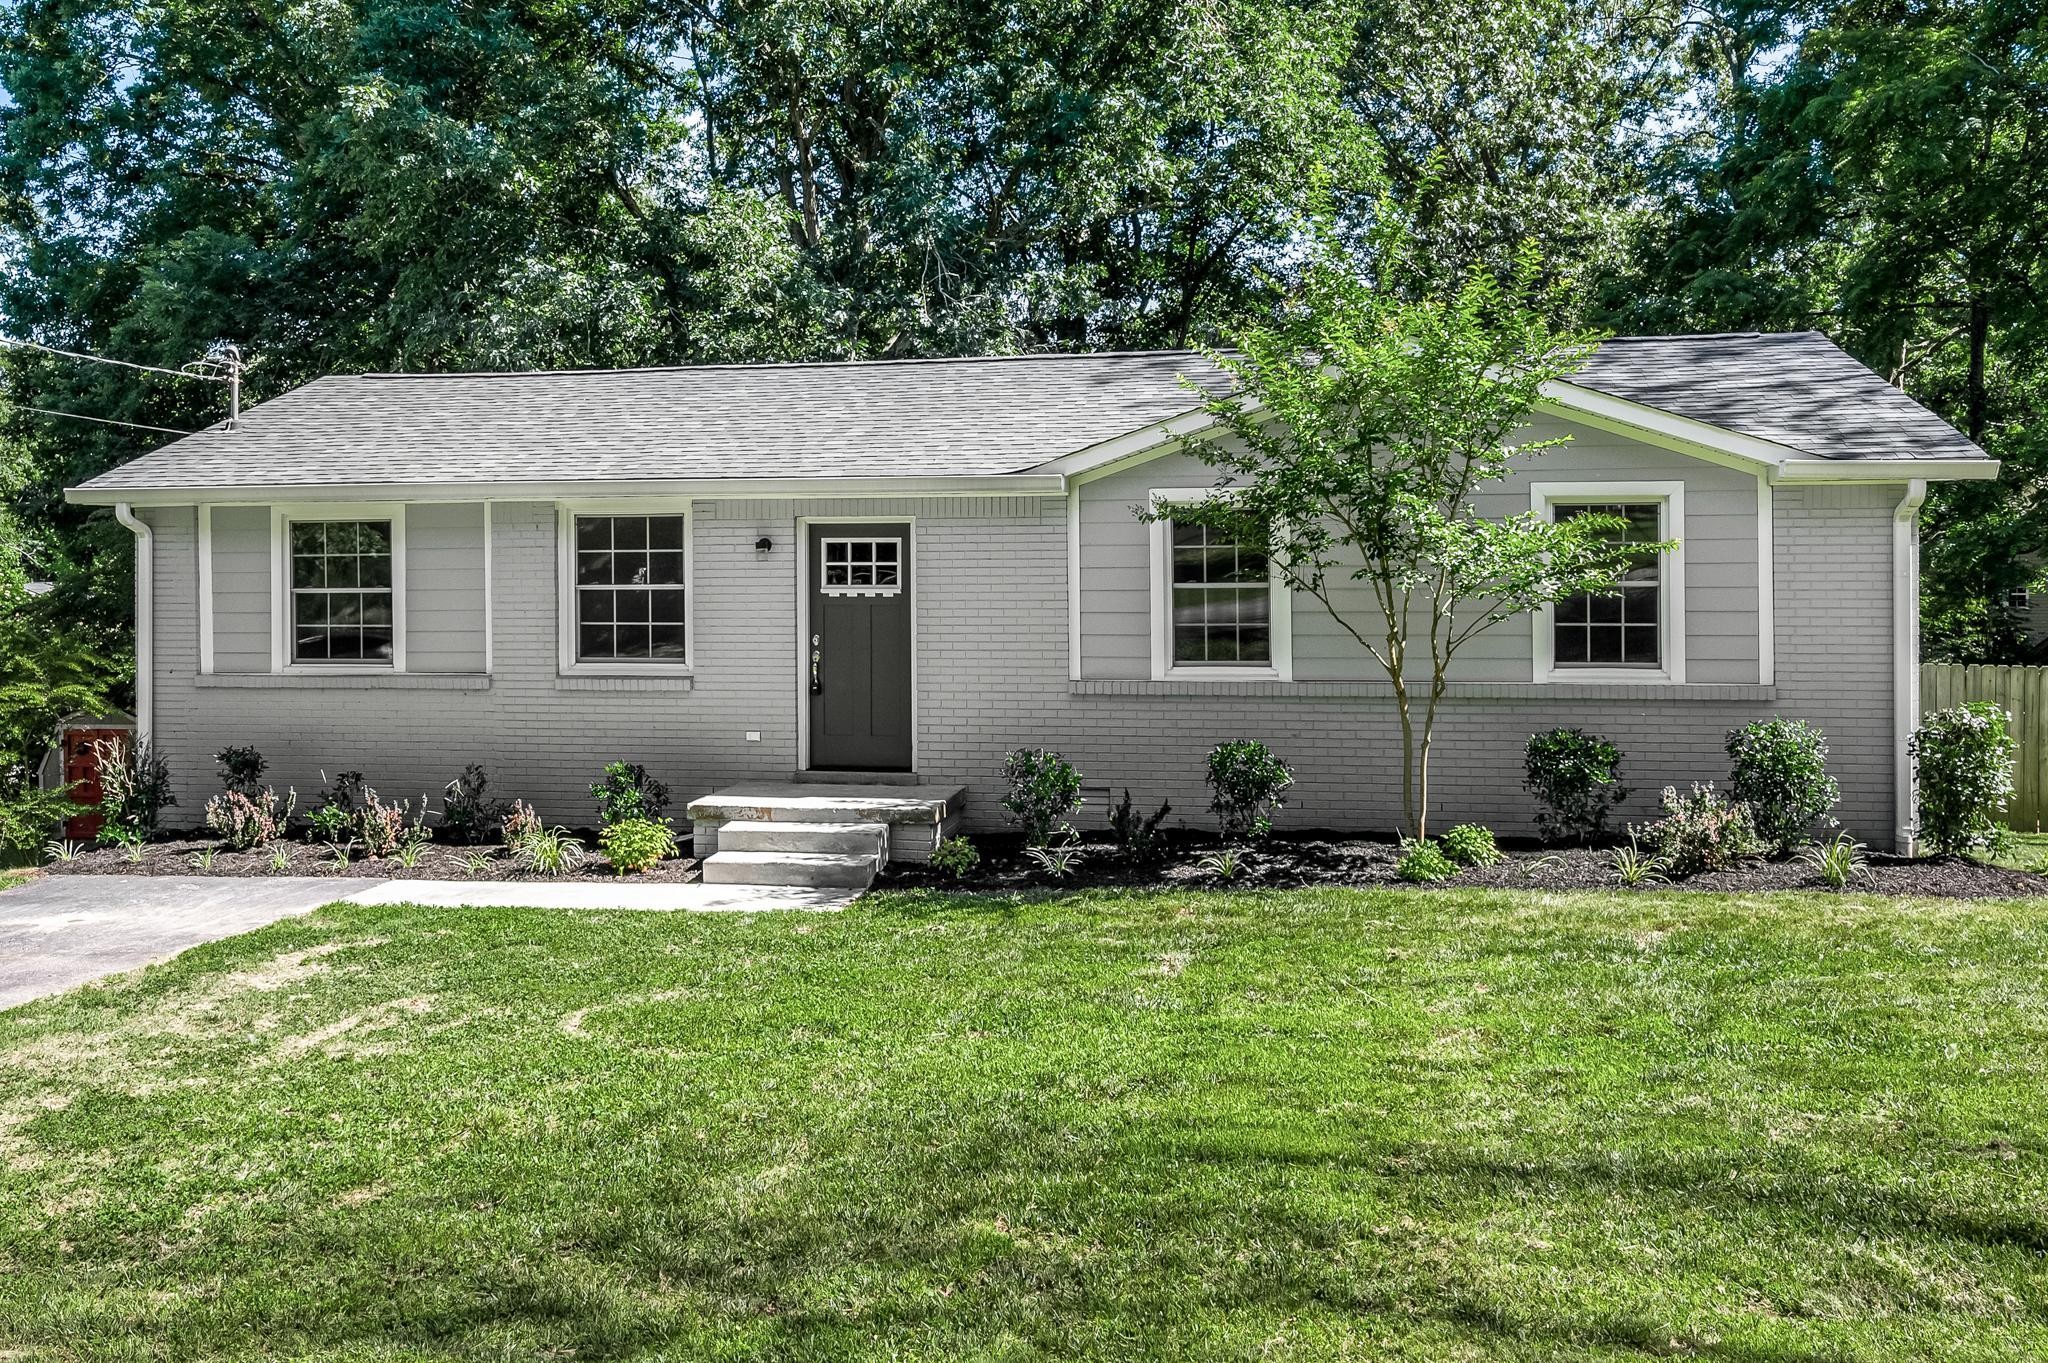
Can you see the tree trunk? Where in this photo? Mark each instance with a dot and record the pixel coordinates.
(1980, 338)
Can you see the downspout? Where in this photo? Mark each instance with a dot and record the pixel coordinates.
(145, 624)
(1905, 654)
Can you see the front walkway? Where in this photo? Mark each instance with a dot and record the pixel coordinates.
(57, 932)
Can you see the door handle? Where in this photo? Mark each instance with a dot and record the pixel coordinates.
(817, 656)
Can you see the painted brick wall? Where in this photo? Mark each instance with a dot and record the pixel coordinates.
(992, 674)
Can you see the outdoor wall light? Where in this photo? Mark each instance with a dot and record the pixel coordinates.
(763, 545)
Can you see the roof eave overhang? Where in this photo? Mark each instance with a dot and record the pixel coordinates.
(1029, 484)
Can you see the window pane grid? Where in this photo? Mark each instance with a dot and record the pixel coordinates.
(342, 609)
(630, 589)
(1221, 599)
(1623, 627)
(866, 567)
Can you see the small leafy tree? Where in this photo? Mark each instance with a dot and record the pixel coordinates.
(1363, 426)
(1044, 797)
(1574, 776)
(1781, 773)
(1962, 761)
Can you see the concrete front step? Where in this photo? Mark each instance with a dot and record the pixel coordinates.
(814, 870)
(841, 839)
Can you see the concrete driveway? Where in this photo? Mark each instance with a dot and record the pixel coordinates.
(60, 931)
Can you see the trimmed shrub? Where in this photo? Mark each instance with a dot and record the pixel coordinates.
(1703, 830)
(243, 822)
(1422, 862)
(1781, 773)
(1137, 834)
(1045, 795)
(135, 789)
(241, 770)
(1572, 774)
(628, 792)
(636, 844)
(1962, 758)
(1470, 844)
(956, 856)
(469, 812)
(1248, 781)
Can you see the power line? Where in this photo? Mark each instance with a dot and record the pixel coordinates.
(101, 359)
(102, 420)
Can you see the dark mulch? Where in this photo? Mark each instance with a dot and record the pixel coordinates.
(174, 857)
(1293, 860)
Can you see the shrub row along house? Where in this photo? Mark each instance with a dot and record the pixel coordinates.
(903, 570)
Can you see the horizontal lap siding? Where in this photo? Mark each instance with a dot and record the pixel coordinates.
(444, 587)
(241, 588)
(1719, 545)
(992, 675)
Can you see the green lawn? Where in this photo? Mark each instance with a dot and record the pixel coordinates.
(1314, 1125)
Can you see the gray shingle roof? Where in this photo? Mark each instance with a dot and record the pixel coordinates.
(968, 417)
(907, 418)
(1797, 388)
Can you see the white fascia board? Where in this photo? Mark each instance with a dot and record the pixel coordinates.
(1032, 484)
(1888, 470)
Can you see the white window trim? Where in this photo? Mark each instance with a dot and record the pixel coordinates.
(1670, 498)
(281, 518)
(566, 513)
(894, 590)
(1281, 610)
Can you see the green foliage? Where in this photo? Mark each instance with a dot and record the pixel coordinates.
(469, 812)
(46, 674)
(1574, 777)
(330, 822)
(1702, 830)
(1470, 844)
(1838, 861)
(1962, 764)
(520, 823)
(1375, 420)
(636, 844)
(241, 770)
(548, 852)
(1053, 862)
(956, 856)
(627, 793)
(1137, 834)
(1423, 862)
(1248, 783)
(1044, 795)
(242, 821)
(1781, 773)
(1634, 867)
(135, 788)
(1221, 865)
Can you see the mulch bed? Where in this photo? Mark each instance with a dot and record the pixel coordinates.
(174, 857)
(1295, 860)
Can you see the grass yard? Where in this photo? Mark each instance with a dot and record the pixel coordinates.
(1310, 1125)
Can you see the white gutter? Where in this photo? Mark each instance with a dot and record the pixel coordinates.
(1905, 654)
(585, 489)
(145, 624)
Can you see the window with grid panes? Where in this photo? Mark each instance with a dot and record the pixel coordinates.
(1222, 599)
(342, 610)
(631, 585)
(1622, 627)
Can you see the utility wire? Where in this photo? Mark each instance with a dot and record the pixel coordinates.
(102, 420)
(125, 364)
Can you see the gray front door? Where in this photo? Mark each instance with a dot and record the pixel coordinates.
(860, 647)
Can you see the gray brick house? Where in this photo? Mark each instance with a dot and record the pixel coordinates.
(767, 573)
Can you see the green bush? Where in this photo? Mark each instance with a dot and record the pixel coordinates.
(636, 844)
(1422, 862)
(548, 852)
(241, 770)
(244, 821)
(956, 856)
(1572, 775)
(1703, 830)
(1470, 844)
(469, 812)
(135, 789)
(1137, 834)
(627, 792)
(1781, 773)
(1045, 795)
(1962, 758)
(1248, 781)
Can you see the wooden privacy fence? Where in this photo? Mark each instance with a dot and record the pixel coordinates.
(2021, 692)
